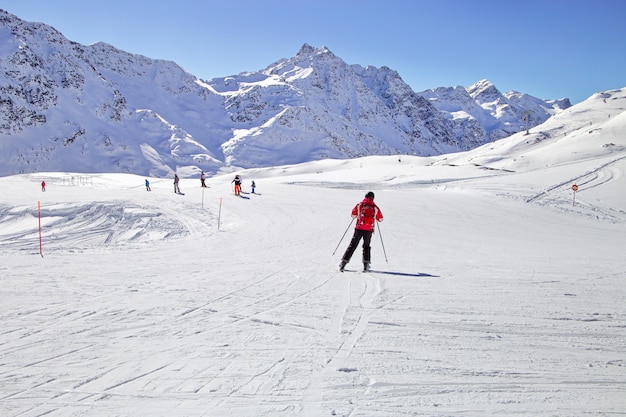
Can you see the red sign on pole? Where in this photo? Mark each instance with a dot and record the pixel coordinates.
(574, 188)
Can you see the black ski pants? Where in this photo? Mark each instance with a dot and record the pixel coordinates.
(366, 235)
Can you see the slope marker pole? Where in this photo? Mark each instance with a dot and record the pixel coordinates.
(219, 215)
(39, 216)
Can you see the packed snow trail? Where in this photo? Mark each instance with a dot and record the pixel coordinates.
(496, 306)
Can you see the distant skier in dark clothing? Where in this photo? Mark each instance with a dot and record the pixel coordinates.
(202, 178)
(237, 182)
(366, 214)
(176, 188)
(148, 186)
(253, 186)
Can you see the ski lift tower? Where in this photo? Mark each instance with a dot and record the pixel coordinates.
(526, 118)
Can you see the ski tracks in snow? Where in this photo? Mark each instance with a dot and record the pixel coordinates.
(559, 194)
(76, 227)
(360, 292)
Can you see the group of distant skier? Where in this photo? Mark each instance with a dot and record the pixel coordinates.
(237, 184)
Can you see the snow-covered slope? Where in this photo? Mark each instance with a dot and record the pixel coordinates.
(584, 131)
(495, 295)
(71, 107)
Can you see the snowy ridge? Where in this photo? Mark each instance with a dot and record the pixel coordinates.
(500, 296)
(95, 108)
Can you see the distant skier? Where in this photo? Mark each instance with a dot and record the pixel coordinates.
(366, 214)
(202, 178)
(176, 188)
(43, 186)
(237, 182)
(253, 186)
(148, 185)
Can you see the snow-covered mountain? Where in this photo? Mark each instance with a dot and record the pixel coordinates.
(496, 114)
(71, 107)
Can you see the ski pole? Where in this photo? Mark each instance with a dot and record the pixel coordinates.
(381, 242)
(344, 235)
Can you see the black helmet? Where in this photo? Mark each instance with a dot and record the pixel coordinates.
(369, 195)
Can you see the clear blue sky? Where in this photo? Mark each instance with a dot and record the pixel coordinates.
(547, 48)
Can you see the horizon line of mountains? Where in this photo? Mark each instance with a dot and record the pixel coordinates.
(71, 107)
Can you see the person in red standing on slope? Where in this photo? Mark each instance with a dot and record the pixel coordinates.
(237, 182)
(366, 214)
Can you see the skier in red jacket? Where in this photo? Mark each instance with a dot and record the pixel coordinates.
(366, 214)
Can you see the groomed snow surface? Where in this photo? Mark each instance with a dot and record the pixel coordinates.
(495, 294)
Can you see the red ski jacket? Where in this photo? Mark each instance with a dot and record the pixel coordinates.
(366, 213)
